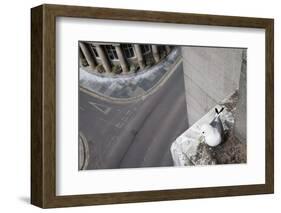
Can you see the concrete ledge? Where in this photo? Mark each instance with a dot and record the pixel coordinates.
(187, 150)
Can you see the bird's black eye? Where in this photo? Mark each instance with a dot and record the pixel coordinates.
(203, 132)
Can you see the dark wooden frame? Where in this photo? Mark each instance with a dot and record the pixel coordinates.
(43, 105)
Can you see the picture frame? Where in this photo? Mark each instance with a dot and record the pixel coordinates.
(43, 105)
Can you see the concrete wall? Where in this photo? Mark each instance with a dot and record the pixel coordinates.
(211, 74)
(240, 127)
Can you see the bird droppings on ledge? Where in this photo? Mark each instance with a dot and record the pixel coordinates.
(203, 156)
(231, 151)
(189, 150)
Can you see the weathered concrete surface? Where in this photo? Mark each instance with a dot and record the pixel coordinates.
(188, 150)
(210, 75)
(240, 127)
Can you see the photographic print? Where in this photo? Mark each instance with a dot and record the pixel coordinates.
(190, 96)
(155, 105)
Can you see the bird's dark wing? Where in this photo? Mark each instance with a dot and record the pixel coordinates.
(216, 123)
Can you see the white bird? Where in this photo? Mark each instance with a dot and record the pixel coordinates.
(212, 133)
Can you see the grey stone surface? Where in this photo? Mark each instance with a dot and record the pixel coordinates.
(211, 74)
(240, 126)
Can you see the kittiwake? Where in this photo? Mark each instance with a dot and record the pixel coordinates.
(212, 133)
